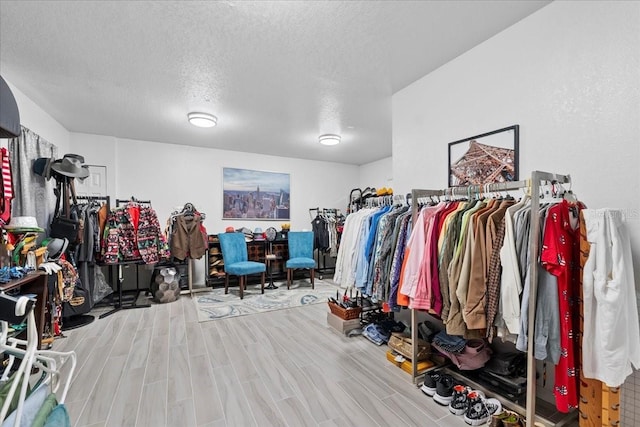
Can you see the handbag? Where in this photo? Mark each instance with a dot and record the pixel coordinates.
(64, 228)
(508, 364)
(475, 355)
(61, 226)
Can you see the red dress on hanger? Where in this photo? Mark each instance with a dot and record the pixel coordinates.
(561, 257)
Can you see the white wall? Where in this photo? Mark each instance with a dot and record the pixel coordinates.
(39, 121)
(377, 174)
(569, 75)
(170, 175)
(98, 150)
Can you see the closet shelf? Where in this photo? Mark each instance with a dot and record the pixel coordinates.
(546, 413)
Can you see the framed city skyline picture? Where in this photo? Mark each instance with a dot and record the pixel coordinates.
(255, 195)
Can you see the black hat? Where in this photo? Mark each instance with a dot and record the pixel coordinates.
(42, 167)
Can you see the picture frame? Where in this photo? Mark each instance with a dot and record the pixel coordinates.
(255, 195)
(484, 159)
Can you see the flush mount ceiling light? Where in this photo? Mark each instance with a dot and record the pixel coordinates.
(202, 120)
(329, 139)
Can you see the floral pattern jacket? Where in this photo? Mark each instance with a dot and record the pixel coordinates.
(133, 233)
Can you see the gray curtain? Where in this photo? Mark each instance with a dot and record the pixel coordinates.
(34, 195)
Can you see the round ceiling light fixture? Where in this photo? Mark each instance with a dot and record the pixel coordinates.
(202, 120)
(329, 139)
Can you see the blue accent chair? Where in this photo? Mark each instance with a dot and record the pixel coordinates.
(236, 261)
(300, 254)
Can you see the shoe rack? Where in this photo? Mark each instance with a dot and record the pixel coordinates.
(215, 263)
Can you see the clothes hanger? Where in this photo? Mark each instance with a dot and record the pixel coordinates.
(49, 362)
(188, 211)
(569, 196)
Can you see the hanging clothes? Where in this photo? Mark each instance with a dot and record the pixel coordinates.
(345, 271)
(133, 233)
(611, 337)
(404, 229)
(547, 318)
(320, 229)
(187, 237)
(326, 235)
(507, 319)
(560, 256)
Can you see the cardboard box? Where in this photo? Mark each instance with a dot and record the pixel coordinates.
(422, 365)
(391, 357)
(340, 325)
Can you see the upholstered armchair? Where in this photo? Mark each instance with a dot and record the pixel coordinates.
(236, 261)
(300, 254)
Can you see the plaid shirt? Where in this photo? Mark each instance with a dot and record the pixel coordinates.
(493, 284)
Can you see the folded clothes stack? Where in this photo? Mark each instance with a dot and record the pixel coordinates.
(376, 334)
(7, 274)
(450, 343)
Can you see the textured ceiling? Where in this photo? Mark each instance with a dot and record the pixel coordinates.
(276, 74)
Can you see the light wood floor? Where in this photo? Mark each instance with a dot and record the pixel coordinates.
(159, 366)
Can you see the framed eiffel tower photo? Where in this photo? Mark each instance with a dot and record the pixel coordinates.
(484, 159)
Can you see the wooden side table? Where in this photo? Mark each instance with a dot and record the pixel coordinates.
(33, 283)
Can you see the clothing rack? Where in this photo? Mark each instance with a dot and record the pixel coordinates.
(323, 211)
(86, 200)
(190, 209)
(105, 199)
(132, 199)
(119, 305)
(322, 266)
(534, 185)
(378, 201)
(355, 203)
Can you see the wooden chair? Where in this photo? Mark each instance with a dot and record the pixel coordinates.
(236, 261)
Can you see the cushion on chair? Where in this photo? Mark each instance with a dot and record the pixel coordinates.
(301, 263)
(245, 267)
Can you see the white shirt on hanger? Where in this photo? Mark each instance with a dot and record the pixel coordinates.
(611, 336)
(511, 282)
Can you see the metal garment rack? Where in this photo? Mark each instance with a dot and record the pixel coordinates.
(89, 199)
(105, 199)
(192, 290)
(120, 306)
(322, 267)
(537, 177)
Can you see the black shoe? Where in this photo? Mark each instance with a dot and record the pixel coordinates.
(480, 409)
(459, 403)
(444, 390)
(429, 384)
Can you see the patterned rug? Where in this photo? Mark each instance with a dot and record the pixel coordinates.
(216, 305)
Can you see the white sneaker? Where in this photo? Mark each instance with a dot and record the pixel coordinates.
(480, 409)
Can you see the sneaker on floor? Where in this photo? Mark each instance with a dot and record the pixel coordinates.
(444, 390)
(493, 406)
(480, 409)
(459, 402)
(429, 384)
